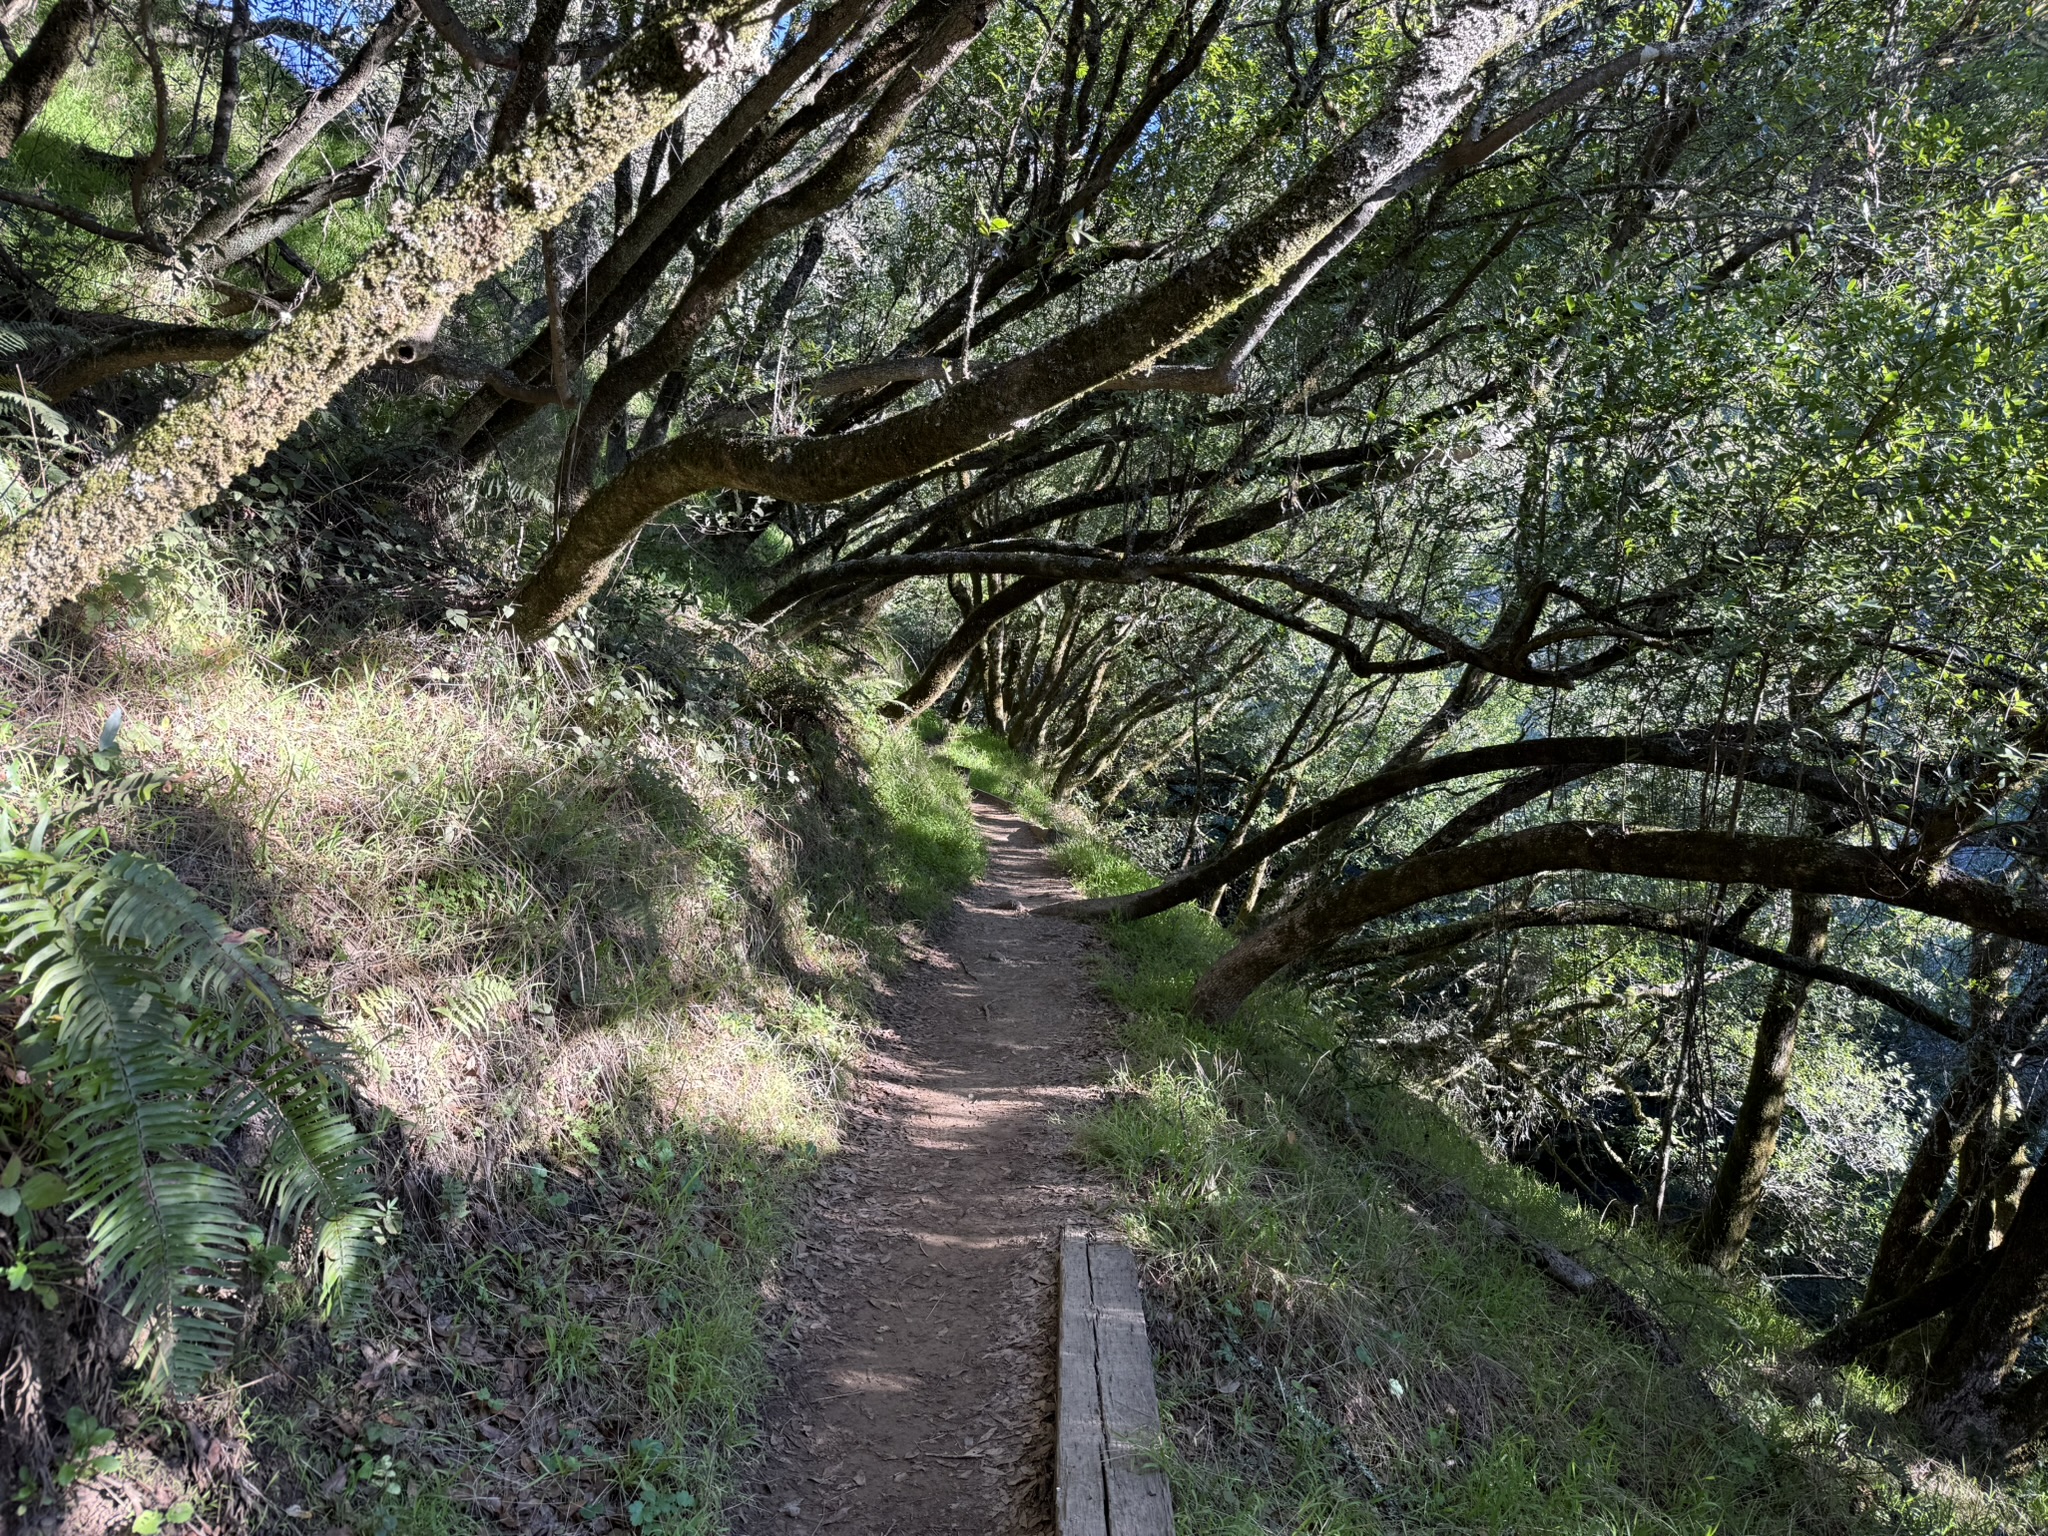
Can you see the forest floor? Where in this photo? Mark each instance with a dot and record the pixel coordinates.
(917, 1384)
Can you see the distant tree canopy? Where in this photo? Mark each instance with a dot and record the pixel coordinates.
(1473, 474)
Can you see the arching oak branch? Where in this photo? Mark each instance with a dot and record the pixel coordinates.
(1782, 863)
(402, 288)
(1623, 914)
(1689, 750)
(1432, 88)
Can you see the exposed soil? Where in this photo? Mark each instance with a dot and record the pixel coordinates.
(917, 1388)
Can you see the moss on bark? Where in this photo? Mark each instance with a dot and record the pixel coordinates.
(401, 288)
(1432, 87)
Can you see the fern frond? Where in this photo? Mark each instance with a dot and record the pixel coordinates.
(157, 1036)
(348, 1259)
(479, 1004)
(165, 1229)
(317, 1160)
(39, 414)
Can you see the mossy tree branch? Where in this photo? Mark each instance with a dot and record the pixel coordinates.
(1433, 87)
(28, 86)
(835, 180)
(401, 288)
(746, 143)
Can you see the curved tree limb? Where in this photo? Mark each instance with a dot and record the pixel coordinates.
(401, 288)
(1431, 88)
(1877, 1325)
(146, 349)
(1784, 863)
(1106, 563)
(1623, 914)
(930, 684)
(1365, 461)
(1689, 750)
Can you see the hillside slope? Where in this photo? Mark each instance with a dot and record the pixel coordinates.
(600, 938)
(601, 935)
(1356, 1329)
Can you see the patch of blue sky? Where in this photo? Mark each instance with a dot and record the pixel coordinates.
(307, 62)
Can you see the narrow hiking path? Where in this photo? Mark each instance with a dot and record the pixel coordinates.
(917, 1389)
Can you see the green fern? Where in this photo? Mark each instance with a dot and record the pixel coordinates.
(479, 1003)
(38, 414)
(157, 1034)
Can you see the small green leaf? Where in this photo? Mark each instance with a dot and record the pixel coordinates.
(148, 1523)
(10, 1201)
(181, 1512)
(11, 1174)
(42, 1191)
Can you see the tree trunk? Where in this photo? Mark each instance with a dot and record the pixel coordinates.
(1915, 1206)
(29, 85)
(1984, 1339)
(1809, 864)
(1345, 189)
(931, 684)
(400, 289)
(229, 96)
(1753, 1142)
(1902, 1260)
(1873, 1326)
(1248, 910)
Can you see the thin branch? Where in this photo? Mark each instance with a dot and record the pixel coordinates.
(80, 219)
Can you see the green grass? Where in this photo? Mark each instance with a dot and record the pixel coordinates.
(1345, 1348)
(933, 846)
(104, 108)
(604, 962)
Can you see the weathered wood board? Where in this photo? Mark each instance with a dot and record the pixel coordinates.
(1107, 1481)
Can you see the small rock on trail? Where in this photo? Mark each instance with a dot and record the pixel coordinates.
(917, 1391)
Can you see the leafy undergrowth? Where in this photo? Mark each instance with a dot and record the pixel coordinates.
(1345, 1346)
(600, 938)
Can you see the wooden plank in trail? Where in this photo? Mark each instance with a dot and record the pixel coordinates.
(1079, 1492)
(1107, 1481)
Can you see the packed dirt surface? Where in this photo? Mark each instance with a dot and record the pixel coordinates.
(917, 1389)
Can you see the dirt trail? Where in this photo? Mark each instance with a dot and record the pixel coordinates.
(917, 1390)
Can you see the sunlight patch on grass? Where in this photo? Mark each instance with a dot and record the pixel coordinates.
(1344, 1346)
(603, 963)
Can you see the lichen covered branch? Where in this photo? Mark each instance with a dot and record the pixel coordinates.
(401, 288)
